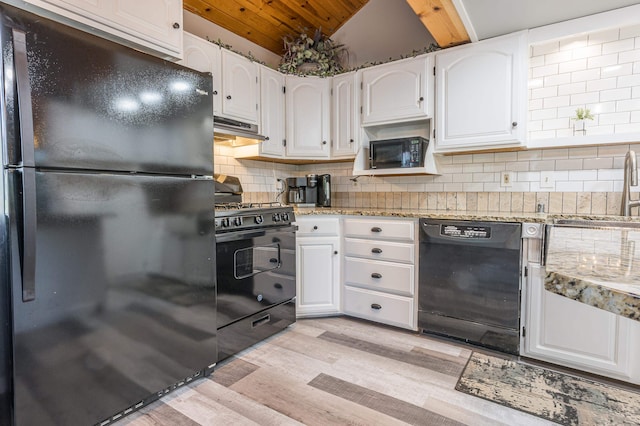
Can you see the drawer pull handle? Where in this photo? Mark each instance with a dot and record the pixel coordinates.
(376, 306)
(278, 286)
(376, 229)
(376, 275)
(273, 260)
(376, 250)
(260, 321)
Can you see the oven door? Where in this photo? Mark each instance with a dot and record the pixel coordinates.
(256, 270)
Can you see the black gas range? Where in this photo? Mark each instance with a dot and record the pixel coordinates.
(256, 272)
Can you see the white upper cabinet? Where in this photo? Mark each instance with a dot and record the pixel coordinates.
(398, 91)
(240, 88)
(345, 126)
(481, 95)
(308, 117)
(272, 112)
(204, 56)
(154, 26)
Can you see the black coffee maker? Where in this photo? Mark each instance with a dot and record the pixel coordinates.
(314, 190)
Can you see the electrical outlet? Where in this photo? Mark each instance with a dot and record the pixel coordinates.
(546, 179)
(279, 184)
(505, 179)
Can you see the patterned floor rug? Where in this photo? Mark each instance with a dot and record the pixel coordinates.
(554, 396)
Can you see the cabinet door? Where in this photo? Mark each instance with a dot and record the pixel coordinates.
(204, 56)
(570, 333)
(307, 117)
(239, 87)
(398, 91)
(344, 123)
(151, 24)
(481, 94)
(272, 112)
(318, 276)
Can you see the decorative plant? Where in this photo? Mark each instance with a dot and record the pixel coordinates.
(583, 114)
(319, 50)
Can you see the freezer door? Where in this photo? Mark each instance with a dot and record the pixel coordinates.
(77, 101)
(124, 300)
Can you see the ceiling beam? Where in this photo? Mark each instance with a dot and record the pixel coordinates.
(441, 20)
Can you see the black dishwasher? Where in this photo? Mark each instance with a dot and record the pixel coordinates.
(469, 282)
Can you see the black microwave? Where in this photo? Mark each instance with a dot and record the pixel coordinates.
(397, 153)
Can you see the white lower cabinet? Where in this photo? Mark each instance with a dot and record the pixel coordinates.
(380, 276)
(317, 266)
(563, 331)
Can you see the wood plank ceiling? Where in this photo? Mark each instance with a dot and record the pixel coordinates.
(268, 22)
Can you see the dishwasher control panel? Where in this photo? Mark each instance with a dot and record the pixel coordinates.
(465, 231)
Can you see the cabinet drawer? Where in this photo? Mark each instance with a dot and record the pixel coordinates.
(382, 276)
(325, 226)
(384, 308)
(380, 250)
(380, 229)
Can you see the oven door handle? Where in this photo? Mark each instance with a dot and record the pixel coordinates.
(252, 233)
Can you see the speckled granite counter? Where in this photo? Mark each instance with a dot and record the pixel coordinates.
(599, 267)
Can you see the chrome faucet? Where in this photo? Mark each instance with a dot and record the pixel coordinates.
(630, 179)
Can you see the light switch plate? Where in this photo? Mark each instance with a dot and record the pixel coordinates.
(546, 180)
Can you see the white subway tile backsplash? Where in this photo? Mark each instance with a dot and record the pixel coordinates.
(453, 187)
(558, 57)
(535, 104)
(582, 152)
(602, 61)
(544, 92)
(517, 166)
(544, 70)
(542, 165)
(557, 79)
(493, 187)
(568, 186)
(484, 177)
(571, 89)
(628, 128)
(573, 42)
(545, 48)
(573, 164)
(520, 187)
(598, 186)
(601, 130)
(473, 168)
(506, 156)
(617, 70)
(555, 154)
(587, 52)
(618, 46)
(462, 177)
(610, 174)
(434, 187)
(528, 176)
(542, 134)
(588, 98)
(466, 158)
(556, 123)
(483, 158)
(615, 94)
(544, 114)
(534, 125)
(556, 101)
(590, 74)
(536, 61)
(630, 31)
(583, 175)
(630, 56)
(629, 80)
(601, 84)
(598, 163)
(614, 118)
(473, 187)
(572, 66)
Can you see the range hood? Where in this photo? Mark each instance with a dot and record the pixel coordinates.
(236, 133)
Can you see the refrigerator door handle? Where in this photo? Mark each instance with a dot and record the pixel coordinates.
(25, 112)
(28, 228)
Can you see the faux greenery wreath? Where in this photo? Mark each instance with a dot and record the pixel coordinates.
(304, 50)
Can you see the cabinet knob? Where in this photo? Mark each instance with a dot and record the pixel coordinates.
(324, 142)
(376, 229)
(376, 275)
(421, 99)
(266, 138)
(215, 92)
(335, 252)
(376, 250)
(315, 227)
(176, 25)
(228, 96)
(376, 306)
(350, 140)
(514, 124)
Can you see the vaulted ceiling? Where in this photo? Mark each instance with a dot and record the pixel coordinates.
(267, 22)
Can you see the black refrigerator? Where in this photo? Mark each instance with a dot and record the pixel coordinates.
(107, 242)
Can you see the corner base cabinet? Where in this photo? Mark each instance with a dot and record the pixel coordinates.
(379, 270)
(317, 266)
(566, 332)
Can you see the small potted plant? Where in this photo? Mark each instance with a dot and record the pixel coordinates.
(582, 114)
(317, 55)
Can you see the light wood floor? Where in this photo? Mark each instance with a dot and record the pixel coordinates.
(334, 371)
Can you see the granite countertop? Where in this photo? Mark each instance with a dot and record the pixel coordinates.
(596, 266)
